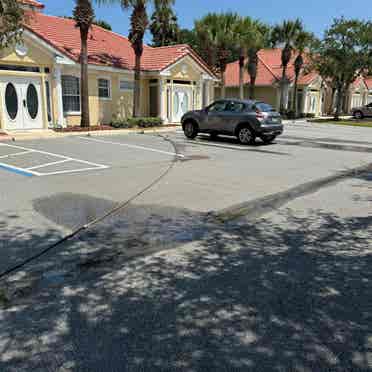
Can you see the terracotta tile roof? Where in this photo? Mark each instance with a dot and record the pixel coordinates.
(104, 47)
(368, 82)
(269, 70)
(360, 82)
(308, 78)
(33, 3)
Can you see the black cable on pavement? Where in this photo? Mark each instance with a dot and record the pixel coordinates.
(87, 226)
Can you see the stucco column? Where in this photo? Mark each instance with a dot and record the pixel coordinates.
(206, 91)
(58, 82)
(305, 100)
(162, 99)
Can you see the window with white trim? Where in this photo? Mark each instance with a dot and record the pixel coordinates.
(126, 85)
(104, 88)
(70, 93)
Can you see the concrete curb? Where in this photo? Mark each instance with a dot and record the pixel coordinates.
(49, 134)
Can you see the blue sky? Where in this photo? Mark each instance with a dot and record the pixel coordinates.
(316, 14)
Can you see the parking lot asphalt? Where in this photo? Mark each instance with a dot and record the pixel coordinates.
(80, 178)
(297, 221)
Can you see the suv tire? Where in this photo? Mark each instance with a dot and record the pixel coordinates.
(358, 115)
(246, 136)
(190, 129)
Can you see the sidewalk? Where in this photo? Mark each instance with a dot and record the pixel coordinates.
(49, 133)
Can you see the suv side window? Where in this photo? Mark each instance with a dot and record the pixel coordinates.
(236, 107)
(217, 107)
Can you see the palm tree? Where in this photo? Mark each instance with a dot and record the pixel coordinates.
(11, 18)
(216, 31)
(302, 43)
(261, 39)
(84, 17)
(286, 34)
(243, 31)
(138, 24)
(164, 25)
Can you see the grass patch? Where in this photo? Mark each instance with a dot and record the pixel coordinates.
(350, 122)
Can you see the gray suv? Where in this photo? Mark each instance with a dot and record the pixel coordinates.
(362, 111)
(246, 120)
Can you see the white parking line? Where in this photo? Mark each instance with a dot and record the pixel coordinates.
(64, 159)
(70, 171)
(48, 164)
(133, 146)
(16, 154)
(53, 154)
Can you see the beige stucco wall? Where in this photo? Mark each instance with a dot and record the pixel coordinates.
(265, 94)
(119, 106)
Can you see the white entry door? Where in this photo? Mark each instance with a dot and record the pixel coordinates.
(22, 103)
(181, 102)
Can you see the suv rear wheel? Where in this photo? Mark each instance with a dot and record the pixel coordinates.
(246, 136)
(358, 115)
(190, 129)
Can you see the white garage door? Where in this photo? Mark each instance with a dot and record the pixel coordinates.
(22, 103)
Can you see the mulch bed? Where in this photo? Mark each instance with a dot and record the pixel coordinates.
(95, 128)
(92, 128)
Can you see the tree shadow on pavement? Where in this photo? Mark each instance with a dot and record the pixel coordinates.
(283, 293)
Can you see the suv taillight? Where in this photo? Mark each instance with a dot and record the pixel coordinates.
(260, 115)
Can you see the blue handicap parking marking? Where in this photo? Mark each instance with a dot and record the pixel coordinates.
(16, 170)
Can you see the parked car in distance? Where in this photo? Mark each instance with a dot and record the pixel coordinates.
(362, 111)
(245, 119)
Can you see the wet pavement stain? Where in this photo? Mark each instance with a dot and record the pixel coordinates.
(72, 210)
(134, 230)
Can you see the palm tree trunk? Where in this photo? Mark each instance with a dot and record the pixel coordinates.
(295, 109)
(137, 86)
(85, 119)
(252, 87)
(252, 70)
(331, 105)
(223, 82)
(339, 99)
(241, 76)
(282, 86)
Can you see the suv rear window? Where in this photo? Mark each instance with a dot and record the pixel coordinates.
(263, 107)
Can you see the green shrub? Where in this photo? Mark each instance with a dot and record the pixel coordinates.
(117, 123)
(141, 122)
